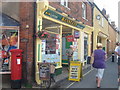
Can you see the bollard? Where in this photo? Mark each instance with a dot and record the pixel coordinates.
(112, 57)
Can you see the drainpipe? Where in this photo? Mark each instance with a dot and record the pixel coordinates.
(34, 40)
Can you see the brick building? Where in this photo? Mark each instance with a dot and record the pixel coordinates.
(74, 10)
(112, 39)
(22, 13)
(32, 17)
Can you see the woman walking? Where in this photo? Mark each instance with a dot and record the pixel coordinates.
(99, 56)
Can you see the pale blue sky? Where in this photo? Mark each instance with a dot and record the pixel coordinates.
(111, 7)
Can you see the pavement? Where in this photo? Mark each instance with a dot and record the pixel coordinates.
(87, 81)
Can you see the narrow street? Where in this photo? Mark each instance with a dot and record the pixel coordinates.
(88, 81)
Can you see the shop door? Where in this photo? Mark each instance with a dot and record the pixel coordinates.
(65, 46)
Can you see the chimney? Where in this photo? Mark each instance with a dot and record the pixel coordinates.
(113, 24)
(107, 16)
(104, 11)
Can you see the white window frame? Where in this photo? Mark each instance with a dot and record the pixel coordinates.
(64, 3)
(102, 22)
(84, 10)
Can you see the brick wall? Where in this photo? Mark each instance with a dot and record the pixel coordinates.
(26, 38)
(112, 38)
(75, 10)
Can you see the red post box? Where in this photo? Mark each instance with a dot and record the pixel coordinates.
(16, 68)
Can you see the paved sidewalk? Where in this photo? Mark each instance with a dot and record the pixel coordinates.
(109, 79)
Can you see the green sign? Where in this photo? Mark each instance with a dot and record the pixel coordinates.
(59, 17)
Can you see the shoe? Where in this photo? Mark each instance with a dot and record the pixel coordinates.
(98, 87)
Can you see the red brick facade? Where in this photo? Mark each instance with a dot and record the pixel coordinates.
(75, 11)
(26, 38)
(27, 30)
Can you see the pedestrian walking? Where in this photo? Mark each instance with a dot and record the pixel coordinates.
(69, 53)
(117, 45)
(117, 52)
(99, 57)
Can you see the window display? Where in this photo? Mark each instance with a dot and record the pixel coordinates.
(51, 49)
(9, 39)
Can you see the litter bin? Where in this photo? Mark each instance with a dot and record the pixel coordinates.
(16, 68)
(88, 59)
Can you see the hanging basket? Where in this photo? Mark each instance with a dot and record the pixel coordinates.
(42, 35)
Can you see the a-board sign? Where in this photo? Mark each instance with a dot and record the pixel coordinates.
(75, 71)
(44, 71)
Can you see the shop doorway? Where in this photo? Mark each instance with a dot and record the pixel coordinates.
(66, 31)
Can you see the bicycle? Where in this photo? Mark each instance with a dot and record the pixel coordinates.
(46, 74)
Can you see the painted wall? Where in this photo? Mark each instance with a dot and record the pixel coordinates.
(98, 28)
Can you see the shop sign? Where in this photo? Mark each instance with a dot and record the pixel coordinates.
(59, 17)
(75, 73)
(76, 34)
(70, 38)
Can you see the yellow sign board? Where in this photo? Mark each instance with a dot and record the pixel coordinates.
(75, 72)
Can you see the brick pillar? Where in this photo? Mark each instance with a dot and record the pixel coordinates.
(26, 39)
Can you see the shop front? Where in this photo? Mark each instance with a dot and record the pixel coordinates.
(9, 38)
(62, 31)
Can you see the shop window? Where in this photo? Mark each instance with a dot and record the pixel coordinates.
(51, 49)
(64, 3)
(9, 39)
(85, 46)
(84, 10)
(51, 45)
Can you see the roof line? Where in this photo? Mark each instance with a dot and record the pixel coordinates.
(99, 10)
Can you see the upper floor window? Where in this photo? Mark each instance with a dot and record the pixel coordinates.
(84, 10)
(64, 3)
(101, 22)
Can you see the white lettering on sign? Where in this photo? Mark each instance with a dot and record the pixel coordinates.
(18, 61)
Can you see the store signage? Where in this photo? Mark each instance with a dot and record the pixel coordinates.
(75, 71)
(76, 34)
(70, 38)
(64, 19)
